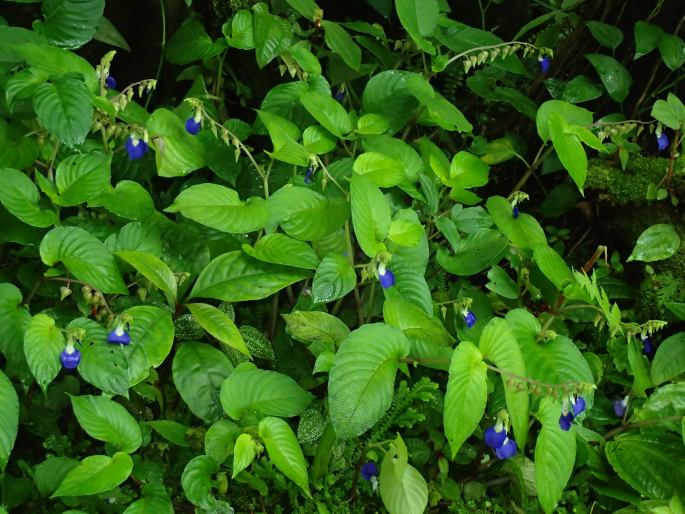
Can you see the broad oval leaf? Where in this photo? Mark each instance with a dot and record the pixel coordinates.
(498, 344)
(272, 36)
(244, 452)
(403, 488)
(219, 325)
(370, 215)
(523, 231)
(107, 421)
(197, 481)
(20, 196)
(85, 256)
(9, 421)
(555, 453)
(284, 450)
(269, 392)
(96, 474)
(177, 152)
(669, 359)
(316, 327)
(361, 383)
(43, 344)
(613, 74)
(220, 438)
(191, 43)
(236, 277)
(334, 278)
(71, 23)
(467, 394)
(198, 371)
(63, 107)
(220, 207)
(280, 249)
(155, 500)
(341, 43)
(81, 177)
(477, 252)
(652, 467)
(656, 243)
(155, 270)
(381, 169)
(327, 111)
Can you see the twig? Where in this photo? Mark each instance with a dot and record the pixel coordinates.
(638, 424)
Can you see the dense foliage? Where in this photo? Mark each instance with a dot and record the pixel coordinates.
(371, 256)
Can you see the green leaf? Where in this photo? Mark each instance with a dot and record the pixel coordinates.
(235, 277)
(14, 319)
(553, 266)
(656, 243)
(467, 170)
(51, 472)
(136, 237)
(71, 23)
(152, 336)
(318, 140)
(172, 431)
(107, 33)
(334, 278)
(272, 37)
(372, 124)
(63, 107)
(381, 169)
(155, 500)
(606, 35)
(413, 320)
(614, 75)
(242, 30)
(43, 344)
(669, 359)
(572, 114)
(388, 95)
(341, 43)
(524, 231)
(177, 152)
(280, 249)
(316, 327)
(96, 474)
(654, 468)
(672, 50)
(361, 382)
(191, 43)
(400, 150)
(667, 400)
(268, 392)
(647, 37)
(220, 438)
(419, 18)
(81, 177)
(405, 233)
(129, 200)
(244, 452)
(20, 196)
(9, 421)
(83, 255)
(370, 215)
(219, 325)
(555, 453)
(17, 150)
(198, 371)
(327, 111)
(155, 270)
(475, 253)
(306, 8)
(219, 207)
(501, 283)
(581, 89)
(498, 344)
(305, 214)
(107, 421)
(569, 150)
(467, 394)
(284, 451)
(197, 481)
(670, 112)
(403, 489)
(284, 135)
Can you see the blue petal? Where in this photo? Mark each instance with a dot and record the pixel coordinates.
(565, 421)
(110, 82)
(495, 439)
(135, 151)
(387, 279)
(369, 469)
(470, 319)
(507, 450)
(114, 338)
(192, 126)
(579, 406)
(70, 360)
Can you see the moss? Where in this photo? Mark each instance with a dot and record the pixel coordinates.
(622, 187)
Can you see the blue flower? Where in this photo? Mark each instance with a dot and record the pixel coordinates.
(369, 470)
(507, 450)
(495, 438)
(515, 212)
(70, 357)
(110, 82)
(662, 141)
(620, 407)
(578, 405)
(545, 64)
(469, 319)
(647, 345)
(386, 277)
(193, 125)
(119, 336)
(565, 421)
(309, 175)
(136, 148)
(340, 94)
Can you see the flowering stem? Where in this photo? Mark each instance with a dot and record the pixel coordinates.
(488, 47)
(638, 424)
(162, 50)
